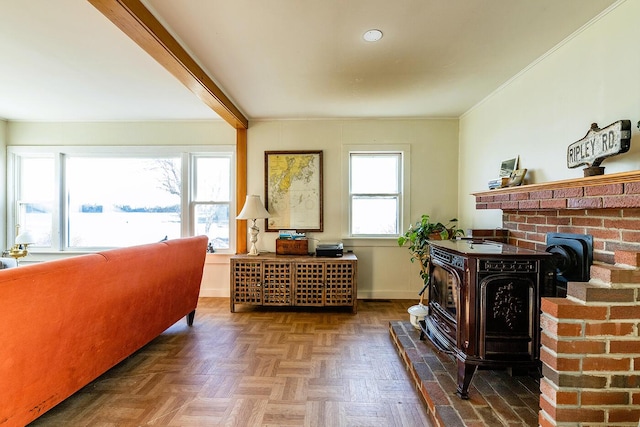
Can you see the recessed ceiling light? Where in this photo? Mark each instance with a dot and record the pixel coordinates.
(372, 35)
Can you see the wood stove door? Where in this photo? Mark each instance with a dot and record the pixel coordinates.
(444, 301)
(508, 312)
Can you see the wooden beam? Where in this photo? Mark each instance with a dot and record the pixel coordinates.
(135, 20)
(241, 188)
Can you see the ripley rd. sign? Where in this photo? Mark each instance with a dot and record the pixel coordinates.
(598, 144)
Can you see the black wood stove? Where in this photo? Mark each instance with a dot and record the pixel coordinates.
(484, 305)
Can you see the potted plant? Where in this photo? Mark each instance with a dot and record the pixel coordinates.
(417, 237)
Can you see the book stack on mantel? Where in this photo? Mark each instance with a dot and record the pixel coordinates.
(498, 182)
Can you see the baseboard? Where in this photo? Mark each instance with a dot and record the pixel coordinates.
(391, 294)
(214, 293)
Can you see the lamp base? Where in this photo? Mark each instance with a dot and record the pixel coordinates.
(253, 232)
(17, 251)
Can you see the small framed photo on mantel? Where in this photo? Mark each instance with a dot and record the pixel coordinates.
(504, 177)
(508, 166)
(517, 177)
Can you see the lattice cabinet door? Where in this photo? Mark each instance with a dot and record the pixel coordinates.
(340, 283)
(246, 283)
(276, 285)
(309, 279)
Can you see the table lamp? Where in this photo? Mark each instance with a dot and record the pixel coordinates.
(253, 209)
(23, 240)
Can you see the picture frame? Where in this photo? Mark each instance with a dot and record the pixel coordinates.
(508, 166)
(516, 178)
(294, 190)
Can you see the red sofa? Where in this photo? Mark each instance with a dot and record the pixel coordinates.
(64, 323)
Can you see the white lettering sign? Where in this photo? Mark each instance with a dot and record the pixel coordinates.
(599, 144)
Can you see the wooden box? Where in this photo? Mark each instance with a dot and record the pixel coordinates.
(292, 246)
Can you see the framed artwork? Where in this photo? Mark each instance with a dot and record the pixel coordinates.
(517, 177)
(293, 190)
(508, 166)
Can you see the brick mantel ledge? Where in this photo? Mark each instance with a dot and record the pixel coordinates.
(615, 191)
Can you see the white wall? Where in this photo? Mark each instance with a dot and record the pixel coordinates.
(384, 269)
(121, 133)
(593, 77)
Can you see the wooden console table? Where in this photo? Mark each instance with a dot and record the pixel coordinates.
(291, 280)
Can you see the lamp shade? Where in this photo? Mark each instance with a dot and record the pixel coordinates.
(25, 238)
(253, 209)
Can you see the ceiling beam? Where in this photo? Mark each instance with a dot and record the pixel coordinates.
(137, 22)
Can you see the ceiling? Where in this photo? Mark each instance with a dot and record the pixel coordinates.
(63, 60)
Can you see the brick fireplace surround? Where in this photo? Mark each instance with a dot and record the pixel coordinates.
(591, 339)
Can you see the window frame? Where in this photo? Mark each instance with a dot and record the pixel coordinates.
(192, 203)
(404, 176)
(187, 155)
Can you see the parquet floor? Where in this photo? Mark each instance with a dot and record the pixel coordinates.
(257, 367)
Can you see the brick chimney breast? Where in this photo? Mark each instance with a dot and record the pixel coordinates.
(590, 341)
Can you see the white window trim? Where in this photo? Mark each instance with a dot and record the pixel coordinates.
(190, 204)
(57, 152)
(347, 150)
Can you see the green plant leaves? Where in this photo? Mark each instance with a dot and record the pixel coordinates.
(418, 236)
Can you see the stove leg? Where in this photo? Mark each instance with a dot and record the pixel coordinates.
(423, 328)
(465, 374)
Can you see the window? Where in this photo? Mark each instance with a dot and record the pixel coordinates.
(120, 201)
(87, 198)
(36, 197)
(211, 200)
(377, 191)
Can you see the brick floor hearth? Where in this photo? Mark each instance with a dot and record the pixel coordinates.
(495, 397)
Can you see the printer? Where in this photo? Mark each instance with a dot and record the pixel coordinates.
(329, 250)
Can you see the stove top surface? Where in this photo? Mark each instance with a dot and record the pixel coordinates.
(484, 247)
